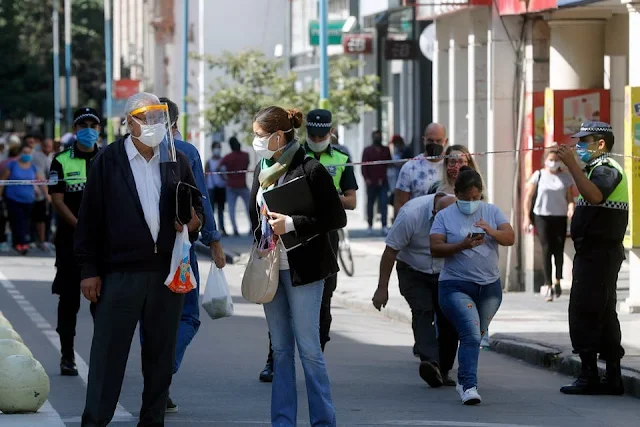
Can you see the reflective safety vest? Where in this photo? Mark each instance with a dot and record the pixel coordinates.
(74, 170)
(619, 199)
(332, 159)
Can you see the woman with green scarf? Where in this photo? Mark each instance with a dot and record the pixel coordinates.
(294, 313)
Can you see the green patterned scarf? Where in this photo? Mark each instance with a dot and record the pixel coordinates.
(272, 170)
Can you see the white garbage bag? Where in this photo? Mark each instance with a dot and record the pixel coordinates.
(217, 299)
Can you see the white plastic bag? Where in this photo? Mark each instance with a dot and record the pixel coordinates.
(217, 299)
(180, 279)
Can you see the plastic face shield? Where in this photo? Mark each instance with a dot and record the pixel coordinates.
(155, 128)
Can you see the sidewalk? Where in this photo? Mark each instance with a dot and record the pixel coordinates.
(526, 327)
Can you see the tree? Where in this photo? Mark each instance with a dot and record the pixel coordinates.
(26, 46)
(252, 81)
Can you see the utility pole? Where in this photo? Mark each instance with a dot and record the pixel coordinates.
(55, 20)
(67, 60)
(185, 67)
(324, 59)
(108, 77)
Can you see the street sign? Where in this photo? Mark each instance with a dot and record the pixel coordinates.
(334, 29)
(400, 49)
(357, 43)
(124, 88)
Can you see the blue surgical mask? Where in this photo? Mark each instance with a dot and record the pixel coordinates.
(468, 207)
(581, 149)
(25, 158)
(87, 137)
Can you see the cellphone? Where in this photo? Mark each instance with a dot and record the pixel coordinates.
(476, 236)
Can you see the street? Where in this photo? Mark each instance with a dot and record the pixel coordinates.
(374, 375)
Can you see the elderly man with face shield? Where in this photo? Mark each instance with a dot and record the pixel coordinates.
(124, 240)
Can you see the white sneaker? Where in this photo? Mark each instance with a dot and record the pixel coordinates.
(469, 396)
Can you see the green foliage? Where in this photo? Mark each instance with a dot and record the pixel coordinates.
(26, 47)
(251, 81)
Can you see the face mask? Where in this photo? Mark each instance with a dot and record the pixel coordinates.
(318, 147)
(25, 158)
(377, 140)
(87, 137)
(581, 149)
(552, 165)
(216, 152)
(468, 207)
(261, 147)
(433, 149)
(152, 135)
(177, 135)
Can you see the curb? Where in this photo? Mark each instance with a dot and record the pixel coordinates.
(556, 359)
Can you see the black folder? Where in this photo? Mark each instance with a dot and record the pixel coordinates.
(291, 198)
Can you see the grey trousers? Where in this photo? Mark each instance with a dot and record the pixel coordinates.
(125, 299)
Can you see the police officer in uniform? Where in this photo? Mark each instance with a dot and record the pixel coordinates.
(597, 229)
(67, 178)
(318, 145)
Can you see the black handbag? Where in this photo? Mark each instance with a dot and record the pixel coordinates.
(185, 194)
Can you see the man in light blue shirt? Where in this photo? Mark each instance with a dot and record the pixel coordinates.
(210, 236)
(408, 244)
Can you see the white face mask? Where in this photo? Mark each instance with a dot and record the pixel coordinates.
(319, 147)
(152, 135)
(261, 147)
(552, 165)
(216, 152)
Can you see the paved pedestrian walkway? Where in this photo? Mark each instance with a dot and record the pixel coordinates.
(526, 326)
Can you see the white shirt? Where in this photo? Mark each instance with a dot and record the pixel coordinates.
(148, 183)
(418, 175)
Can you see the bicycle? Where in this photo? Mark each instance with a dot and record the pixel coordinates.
(344, 252)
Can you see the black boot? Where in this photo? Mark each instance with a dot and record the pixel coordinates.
(589, 381)
(67, 361)
(266, 376)
(612, 381)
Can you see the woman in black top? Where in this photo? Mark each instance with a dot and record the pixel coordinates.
(293, 314)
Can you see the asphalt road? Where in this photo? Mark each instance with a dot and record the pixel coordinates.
(374, 376)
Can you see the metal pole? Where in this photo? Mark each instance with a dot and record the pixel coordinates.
(185, 67)
(67, 60)
(56, 68)
(324, 60)
(108, 75)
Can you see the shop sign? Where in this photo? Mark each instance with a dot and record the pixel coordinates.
(400, 50)
(519, 7)
(334, 29)
(426, 11)
(357, 43)
(123, 89)
(632, 164)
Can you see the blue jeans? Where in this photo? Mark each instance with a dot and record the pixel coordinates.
(232, 197)
(190, 318)
(294, 318)
(470, 307)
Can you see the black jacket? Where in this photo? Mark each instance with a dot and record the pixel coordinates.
(315, 259)
(112, 234)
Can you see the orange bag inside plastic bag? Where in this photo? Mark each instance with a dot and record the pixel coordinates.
(180, 279)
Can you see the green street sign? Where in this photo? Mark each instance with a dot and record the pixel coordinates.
(334, 30)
